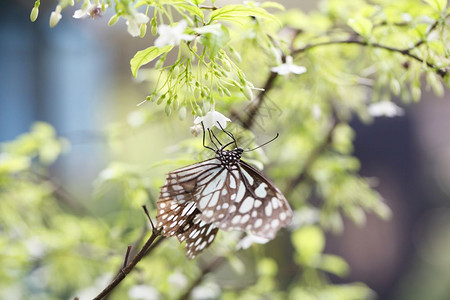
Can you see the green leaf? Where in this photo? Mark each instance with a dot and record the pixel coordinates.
(361, 25)
(438, 5)
(267, 267)
(334, 264)
(194, 10)
(198, 2)
(145, 56)
(216, 39)
(13, 163)
(309, 241)
(272, 4)
(235, 11)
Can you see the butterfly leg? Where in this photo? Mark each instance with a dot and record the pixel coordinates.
(212, 141)
(216, 138)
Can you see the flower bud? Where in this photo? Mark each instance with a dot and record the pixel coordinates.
(168, 109)
(143, 30)
(34, 14)
(247, 91)
(154, 26)
(113, 20)
(55, 16)
(182, 113)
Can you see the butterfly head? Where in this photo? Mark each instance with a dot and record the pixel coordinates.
(229, 157)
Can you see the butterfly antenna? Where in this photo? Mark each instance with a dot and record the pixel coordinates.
(229, 134)
(248, 150)
(207, 147)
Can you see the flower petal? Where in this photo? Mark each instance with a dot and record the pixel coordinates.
(211, 119)
(79, 14)
(133, 28)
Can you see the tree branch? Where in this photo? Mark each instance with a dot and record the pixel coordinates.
(406, 52)
(254, 106)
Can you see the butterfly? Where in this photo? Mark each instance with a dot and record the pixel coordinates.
(223, 192)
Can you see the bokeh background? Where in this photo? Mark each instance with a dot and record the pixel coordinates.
(76, 76)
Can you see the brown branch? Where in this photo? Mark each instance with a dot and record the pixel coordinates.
(407, 52)
(126, 270)
(317, 151)
(256, 104)
(205, 271)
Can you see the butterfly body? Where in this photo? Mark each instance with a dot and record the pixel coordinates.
(222, 192)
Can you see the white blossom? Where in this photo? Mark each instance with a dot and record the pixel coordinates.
(304, 216)
(134, 21)
(206, 291)
(288, 67)
(250, 239)
(211, 119)
(136, 118)
(143, 292)
(55, 16)
(178, 279)
(87, 10)
(385, 109)
(91, 291)
(196, 129)
(316, 112)
(172, 35)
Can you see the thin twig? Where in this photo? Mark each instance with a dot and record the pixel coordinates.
(256, 104)
(127, 255)
(205, 271)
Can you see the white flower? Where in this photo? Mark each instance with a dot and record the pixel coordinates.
(385, 109)
(136, 118)
(250, 239)
(206, 291)
(134, 21)
(211, 119)
(35, 247)
(172, 35)
(288, 67)
(316, 112)
(196, 129)
(88, 10)
(55, 16)
(91, 291)
(177, 279)
(143, 292)
(252, 3)
(304, 216)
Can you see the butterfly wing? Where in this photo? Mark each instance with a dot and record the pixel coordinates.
(241, 198)
(198, 199)
(198, 237)
(177, 200)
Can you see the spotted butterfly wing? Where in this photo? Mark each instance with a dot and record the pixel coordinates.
(223, 192)
(177, 210)
(261, 209)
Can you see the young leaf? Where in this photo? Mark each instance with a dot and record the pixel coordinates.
(438, 5)
(145, 56)
(234, 11)
(194, 10)
(362, 26)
